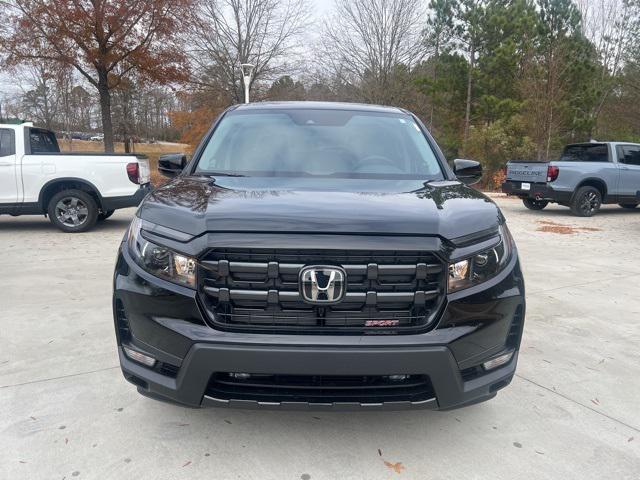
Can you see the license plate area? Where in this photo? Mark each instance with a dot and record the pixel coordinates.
(525, 186)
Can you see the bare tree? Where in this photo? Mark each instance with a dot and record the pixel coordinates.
(608, 25)
(365, 41)
(104, 40)
(226, 33)
(40, 95)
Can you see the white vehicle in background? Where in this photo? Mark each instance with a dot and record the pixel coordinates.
(75, 190)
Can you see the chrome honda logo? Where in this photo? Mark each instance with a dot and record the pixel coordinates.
(322, 284)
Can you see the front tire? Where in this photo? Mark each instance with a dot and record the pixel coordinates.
(73, 211)
(630, 206)
(586, 202)
(532, 204)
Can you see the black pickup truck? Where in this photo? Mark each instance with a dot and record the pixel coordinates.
(318, 256)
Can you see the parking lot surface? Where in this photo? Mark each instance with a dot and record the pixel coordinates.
(572, 412)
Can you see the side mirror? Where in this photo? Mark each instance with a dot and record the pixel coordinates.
(172, 164)
(467, 171)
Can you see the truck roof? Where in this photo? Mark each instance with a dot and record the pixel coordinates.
(16, 125)
(593, 142)
(318, 106)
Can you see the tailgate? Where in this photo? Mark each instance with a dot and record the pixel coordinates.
(532, 172)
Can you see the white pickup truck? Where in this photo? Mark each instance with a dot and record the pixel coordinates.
(75, 190)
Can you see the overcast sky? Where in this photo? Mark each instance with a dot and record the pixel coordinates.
(322, 5)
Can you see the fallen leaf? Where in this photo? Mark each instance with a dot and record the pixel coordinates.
(553, 227)
(517, 444)
(630, 439)
(595, 401)
(229, 422)
(379, 452)
(396, 467)
(186, 464)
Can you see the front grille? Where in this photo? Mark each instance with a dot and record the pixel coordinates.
(472, 372)
(320, 388)
(515, 331)
(167, 369)
(122, 322)
(258, 289)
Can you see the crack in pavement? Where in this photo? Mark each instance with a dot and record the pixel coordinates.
(635, 429)
(59, 378)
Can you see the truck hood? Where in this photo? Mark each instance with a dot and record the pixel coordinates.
(196, 205)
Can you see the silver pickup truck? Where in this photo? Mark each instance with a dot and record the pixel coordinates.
(586, 176)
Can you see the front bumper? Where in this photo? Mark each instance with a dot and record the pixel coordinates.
(189, 388)
(165, 321)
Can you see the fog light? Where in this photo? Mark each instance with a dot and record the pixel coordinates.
(497, 361)
(240, 376)
(397, 378)
(139, 357)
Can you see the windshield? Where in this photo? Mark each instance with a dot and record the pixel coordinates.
(322, 143)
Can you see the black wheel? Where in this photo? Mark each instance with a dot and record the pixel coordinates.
(630, 206)
(586, 202)
(73, 211)
(104, 215)
(532, 204)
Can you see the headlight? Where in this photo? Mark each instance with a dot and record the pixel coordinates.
(482, 266)
(158, 260)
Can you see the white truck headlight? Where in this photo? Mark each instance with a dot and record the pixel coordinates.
(159, 260)
(483, 265)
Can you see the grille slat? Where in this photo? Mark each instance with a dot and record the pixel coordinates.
(387, 291)
(320, 388)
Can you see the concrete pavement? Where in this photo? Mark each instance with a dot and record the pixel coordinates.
(572, 412)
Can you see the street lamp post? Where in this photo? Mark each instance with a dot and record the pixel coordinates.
(247, 70)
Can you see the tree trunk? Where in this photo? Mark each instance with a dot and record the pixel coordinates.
(467, 115)
(548, 147)
(105, 110)
(434, 77)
